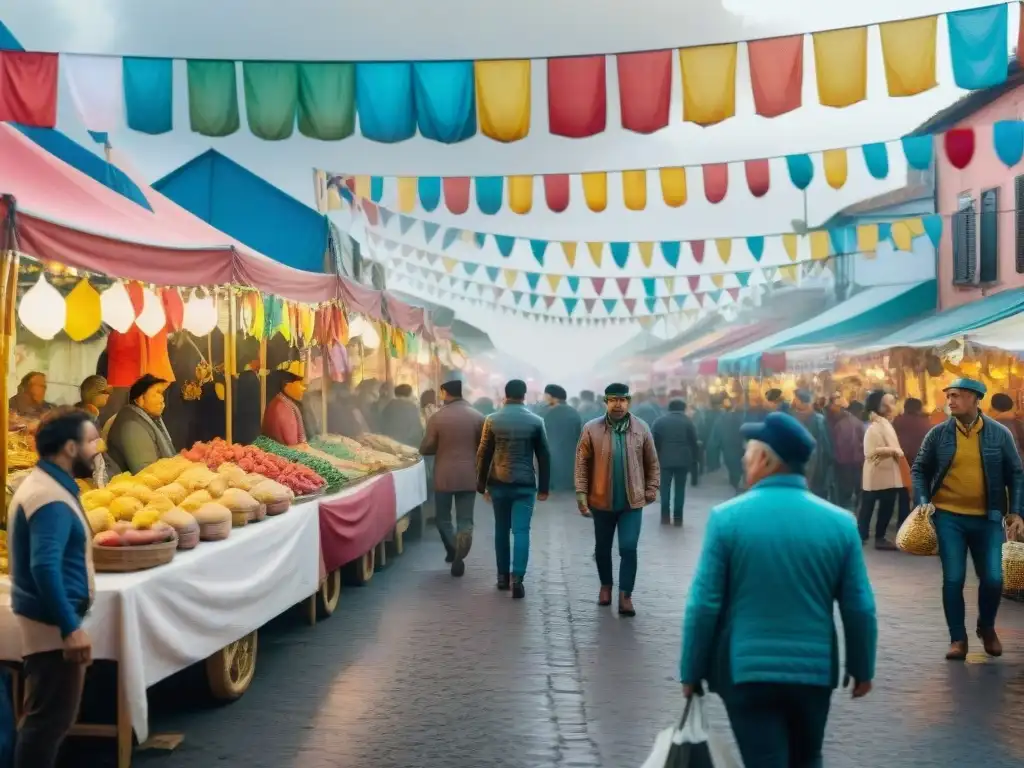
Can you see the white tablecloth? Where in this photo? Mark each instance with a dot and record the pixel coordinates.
(160, 621)
(410, 488)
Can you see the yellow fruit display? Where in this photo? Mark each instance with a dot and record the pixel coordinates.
(178, 518)
(168, 470)
(140, 492)
(101, 497)
(125, 478)
(161, 502)
(217, 486)
(146, 517)
(125, 507)
(100, 519)
(173, 491)
(195, 500)
(149, 480)
(196, 477)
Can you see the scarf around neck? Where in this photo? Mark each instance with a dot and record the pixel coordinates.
(163, 437)
(621, 426)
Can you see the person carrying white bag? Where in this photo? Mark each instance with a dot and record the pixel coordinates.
(688, 744)
(759, 625)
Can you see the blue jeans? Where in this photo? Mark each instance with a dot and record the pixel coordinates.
(628, 525)
(674, 476)
(983, 538)
(778, 724)
(464, 501)
(513, 510)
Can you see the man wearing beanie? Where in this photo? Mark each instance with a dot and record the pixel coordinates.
(617, 474)
(453, 434)
(563, 425)
(512, 438)
(759, 626)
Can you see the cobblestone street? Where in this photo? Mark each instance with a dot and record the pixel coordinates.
(420, 669)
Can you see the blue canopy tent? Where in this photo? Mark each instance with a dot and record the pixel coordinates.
(253, 211)
(869, 313)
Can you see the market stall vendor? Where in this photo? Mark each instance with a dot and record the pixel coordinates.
(95, 393)
(282, 420)
(137, 436)
(30, 401)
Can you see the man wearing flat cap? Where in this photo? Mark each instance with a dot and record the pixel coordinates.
(617, 475)
(968, 474)
(563, 425)
(452, 437)
(759, 626)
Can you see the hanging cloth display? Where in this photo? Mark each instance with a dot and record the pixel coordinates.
(503, 97)
(709, 83)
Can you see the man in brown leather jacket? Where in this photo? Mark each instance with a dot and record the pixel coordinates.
(617, 474)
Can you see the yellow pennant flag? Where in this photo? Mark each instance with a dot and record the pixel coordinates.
(646, 253)
(511, 275)
(634, 190)
(520, 193)
(363, 187)
(709, 83)
(449, 264)
(673, 186)
(503, 98)
(724, 247)
(595, 190)
(569, 249)
(670, 285)
(867, 238)
(908, 51)
(596, 252)
(819, 244)
(554, 281)
(790, 243)
(916, 227)
(902, 237)
(836, 170)
(788, 273)
(468, 237)
(841, 61)
(718, 280)
(406, 194)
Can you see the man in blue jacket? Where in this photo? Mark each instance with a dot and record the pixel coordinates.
(511, 439)
(968, 472)
(759, 622)
(52, 583)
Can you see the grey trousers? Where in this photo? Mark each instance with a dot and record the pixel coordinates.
(464, 501)
(53, 693)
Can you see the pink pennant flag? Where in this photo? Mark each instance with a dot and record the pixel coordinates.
(777, 74)
(758, 177)
(623, 283)
(456, 193)
(598, 283)
(630, 305)
(697, 246)
(577, 96)
(716, 181)
(645, 90)
(371, 213)
(556, 191)
(694, 281)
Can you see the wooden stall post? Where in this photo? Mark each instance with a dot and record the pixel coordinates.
(229, 367)
(8, 306)
(386, 348)
(262, 373)
(325, 387)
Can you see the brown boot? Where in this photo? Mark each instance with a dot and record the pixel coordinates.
(990, 640)
(957, 651)
(626, 605)
(604, 597)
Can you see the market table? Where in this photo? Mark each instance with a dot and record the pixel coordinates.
(157, 622)
(410, 488)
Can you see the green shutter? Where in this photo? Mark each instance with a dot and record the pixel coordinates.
(212, 97)
(271, 98)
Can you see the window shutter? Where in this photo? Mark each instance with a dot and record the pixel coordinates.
(964, 245)
(988, 254)
(1018, 193)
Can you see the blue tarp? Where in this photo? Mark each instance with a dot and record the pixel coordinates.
(253, 211)
(956, 321)
(874, 310)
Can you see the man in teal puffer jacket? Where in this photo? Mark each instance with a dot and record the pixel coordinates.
(759, 618)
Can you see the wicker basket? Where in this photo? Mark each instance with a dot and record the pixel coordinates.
(278, 507)
(258, 514)
(239, 518)
(917, 535)
(126, 559)
(1013, 566)
(214, 531)
(188, 538)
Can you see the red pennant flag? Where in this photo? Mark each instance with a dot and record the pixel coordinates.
(716, 181)
(758, 177)
(28, 88)
(694, 281)
(549, 301)
(645, 90)
(370, 212)
(556, 191)
(734, 293)
(174, 308)
(577, 96)
(623, 283)
(630, 305)
(598, 283)
(697, 246)
(777, 74)
(456, 193)
(959, 143)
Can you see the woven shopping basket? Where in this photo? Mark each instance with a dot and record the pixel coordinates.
(1013, 570)
(917, 535)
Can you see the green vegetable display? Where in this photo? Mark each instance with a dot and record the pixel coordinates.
(333, 476)
(337, 450)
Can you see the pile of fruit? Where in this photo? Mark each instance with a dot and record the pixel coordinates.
(375, 460)
(321, 468)
(300, 477)
(128, 535)
(385, 444)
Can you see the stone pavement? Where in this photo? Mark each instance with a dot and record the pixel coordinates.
(419, 669)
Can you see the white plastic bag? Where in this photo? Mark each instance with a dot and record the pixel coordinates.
(685, 745)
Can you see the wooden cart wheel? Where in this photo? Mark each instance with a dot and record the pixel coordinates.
(398, 540)
(329, 594)
(365, 566)
(230, 671)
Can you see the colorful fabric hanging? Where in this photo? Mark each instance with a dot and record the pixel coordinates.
(834, 161)
(697, 249)
(801, 170)
(908, 52)
(650, 286)
(841, 60)
(645, 90)
(489, 191)
(96, 84)
(902, 238)
(819, 244)
(28, 88)
(429, 188)
(577, 96)
(634, 190)
(574, 283)
(539, 248)
(790, 244)
(556, 191)
(445, 100)
(385, 102)
(673, 186)
(959, 145)
(844, 239)
(362, 187)
(758, 176)
(609, 305)
(503, 98)
(622, 283)
(377, 190)
(429, 230)
(646, 251)
(406, 194)
(977, 45)
(148, 94)
(670, 252)
(777, 74)
(756, 247)
(533, 280)
(451, 236)
(595, 191)
(570, 304)
(271, 98)
(597, 283)
(554, 281)
(933, 228)
(510, 277)
(867, 238)
(596, 251)
(569, 249)
(456, 193)
(694, 282)
(876, 158)
(918, 150)
(620, 254)
(1008, 140)
(716, 181)
(724, 247)
(709, 83)
(505, 244)
(520, 194)
(327, 100)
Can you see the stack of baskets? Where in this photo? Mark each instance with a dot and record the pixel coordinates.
(135, 558)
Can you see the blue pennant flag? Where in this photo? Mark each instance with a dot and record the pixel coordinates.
(429, 192)
(517, 296)
(451, 236)
(744, 278)
(429, 230)
(488, 193)
(539, 247)
(376, 188)
(801, 170)
(918, 151)
(620, 253)
(756, 246)
(933, 228)
(492, 274)
(876, 158)
(533, 278)
(652, 304)
(405, 223)
(533, 300)
(1008, 139)
(470, 267)
(670, 252)
(574, 283)
(570, 304)
(650, 286)
(480, 239)
(505, 244)
(609, 305)
(385, 216)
